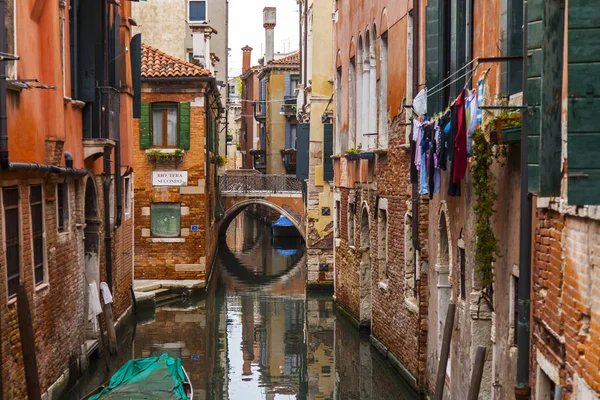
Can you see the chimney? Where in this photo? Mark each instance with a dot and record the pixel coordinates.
(269, 21)
(247, 55)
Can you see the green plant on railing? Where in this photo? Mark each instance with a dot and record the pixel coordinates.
(505, 120)
(219, 160)
(352, 150)
(486, 247)
(238, 147)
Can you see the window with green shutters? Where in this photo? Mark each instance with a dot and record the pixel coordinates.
(165, 125)
(583, 140)
(327, 152)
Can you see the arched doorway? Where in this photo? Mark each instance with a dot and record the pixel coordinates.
(91, 246)
(365, 270)
(444, 289)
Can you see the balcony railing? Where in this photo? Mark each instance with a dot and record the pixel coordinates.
(289, 107)
(260, 110)
(259, 184)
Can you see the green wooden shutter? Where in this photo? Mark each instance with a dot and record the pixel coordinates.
(583, 140)
(145, 133)
(184, 126)
(302, 150)
(432, 38)
(136, 74)
(327, 152)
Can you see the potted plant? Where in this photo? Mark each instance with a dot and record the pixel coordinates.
(505, 128)
(218, 160)
(352, 154)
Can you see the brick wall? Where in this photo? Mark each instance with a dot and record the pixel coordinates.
(399, 324)
(566, 297)
(159, 260)
(59, 300)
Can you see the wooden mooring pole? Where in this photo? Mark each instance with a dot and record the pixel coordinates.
(32, 379)
(477, 373)
(447, 339)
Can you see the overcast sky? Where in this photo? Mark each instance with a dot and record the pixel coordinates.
(246, 28)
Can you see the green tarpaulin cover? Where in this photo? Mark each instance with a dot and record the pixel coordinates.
(147, 378)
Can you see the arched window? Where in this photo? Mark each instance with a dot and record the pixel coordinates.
(364, 111)
(371, 138)
(383, 91)
(358, 110)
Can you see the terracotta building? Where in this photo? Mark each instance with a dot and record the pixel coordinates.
(380, 271)
(176, 171)
(314, 146)
(66, 205)
(249, 146)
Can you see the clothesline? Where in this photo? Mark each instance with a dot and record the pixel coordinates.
(454, 81)
(456, 72)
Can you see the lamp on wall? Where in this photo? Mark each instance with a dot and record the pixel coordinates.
(282, 111)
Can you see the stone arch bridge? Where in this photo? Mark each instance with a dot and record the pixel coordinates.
(280, 193)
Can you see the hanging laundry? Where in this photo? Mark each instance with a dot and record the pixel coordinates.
(453, 188)
(94, 306)
(420, 102)
(460, 155)
(414, 174)
(106, 295)
(423, 145)
(471, 108)
(480, 85)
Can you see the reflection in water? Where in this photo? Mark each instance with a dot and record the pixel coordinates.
(257, 335)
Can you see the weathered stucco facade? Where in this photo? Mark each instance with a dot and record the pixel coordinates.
(315, 107)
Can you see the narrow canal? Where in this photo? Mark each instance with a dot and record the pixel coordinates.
(257, 333)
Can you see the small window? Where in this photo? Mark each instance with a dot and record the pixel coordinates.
(37, 232)
(164, 125)
(10, 198)
(462, 261)
(382, 243)
(338, 217)
(165, 219)
(62, 197)
(197, 11)
(351, 215)
(127, 192)
(191, 57)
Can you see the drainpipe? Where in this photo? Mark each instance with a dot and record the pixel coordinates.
(522, 389)
(118, 180)
(107, 153)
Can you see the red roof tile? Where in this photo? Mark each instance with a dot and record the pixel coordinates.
(291, 59)
(158, 64)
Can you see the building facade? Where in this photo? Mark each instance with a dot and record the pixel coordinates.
(66, 179)
(315, 113)
(234, 123)
(175, 233)
(380, 254)
(249, 145)
(192, 30)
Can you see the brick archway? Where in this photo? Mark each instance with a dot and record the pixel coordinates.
(237, 208)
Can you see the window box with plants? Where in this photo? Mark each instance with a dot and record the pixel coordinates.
(352, 154)
(505, 128)
(163, 156)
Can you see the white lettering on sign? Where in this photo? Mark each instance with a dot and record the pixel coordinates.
(169, 178)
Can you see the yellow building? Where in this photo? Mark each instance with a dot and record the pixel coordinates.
(315, 136)
(276, 112)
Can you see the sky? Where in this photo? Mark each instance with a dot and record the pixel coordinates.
(246, 28)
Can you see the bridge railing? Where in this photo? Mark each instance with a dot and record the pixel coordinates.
(260, 184)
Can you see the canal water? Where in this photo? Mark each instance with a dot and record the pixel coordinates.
(257, 333)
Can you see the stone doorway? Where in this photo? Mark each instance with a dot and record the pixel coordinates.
(365, 270)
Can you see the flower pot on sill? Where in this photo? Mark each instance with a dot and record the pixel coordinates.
(506, 136)
(368, 155)
(352, 156)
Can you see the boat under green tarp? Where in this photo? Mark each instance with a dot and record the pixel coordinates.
(148, 378)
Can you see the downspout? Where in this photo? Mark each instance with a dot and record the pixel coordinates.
(304, 62)
(107, 153)
(118, 180)
(414, 186)
(522, 389)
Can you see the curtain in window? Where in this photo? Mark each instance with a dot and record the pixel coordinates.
(157, 125)
(172, 127)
